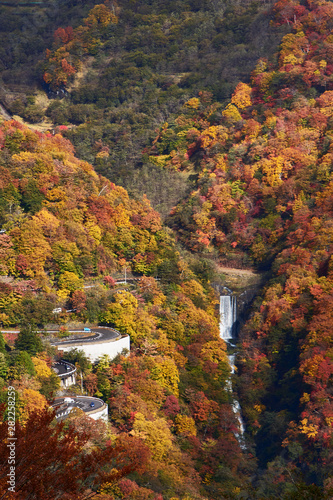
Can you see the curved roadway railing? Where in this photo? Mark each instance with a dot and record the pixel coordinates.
(102, 340)
(100, 334)
(70, 406)
(66, 373)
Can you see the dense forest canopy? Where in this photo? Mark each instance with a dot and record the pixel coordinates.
(261, 196)
(217, 117)
(129, 73)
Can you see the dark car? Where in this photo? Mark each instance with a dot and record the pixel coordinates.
(92, 405)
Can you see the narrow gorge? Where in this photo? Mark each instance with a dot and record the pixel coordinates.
(228, 332)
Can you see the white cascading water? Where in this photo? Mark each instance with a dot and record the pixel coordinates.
(236, 406)
(228, 318)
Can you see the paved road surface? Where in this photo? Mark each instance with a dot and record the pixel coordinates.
(98, 333)
(61, 368)
(83, 403)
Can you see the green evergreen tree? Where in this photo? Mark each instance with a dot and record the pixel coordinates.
(29, 340)
(3, 366)
(2, 344)
(23, 364)
(79, 359)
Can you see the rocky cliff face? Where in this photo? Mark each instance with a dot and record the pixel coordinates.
(245, 285)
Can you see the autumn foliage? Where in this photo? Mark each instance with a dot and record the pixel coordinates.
(262, 197)
(52, 462)
(71, 46)
(65, 226)
(260, 172)
(77, 223)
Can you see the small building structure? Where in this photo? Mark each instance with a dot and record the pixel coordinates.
(66, 372)
(94, 408)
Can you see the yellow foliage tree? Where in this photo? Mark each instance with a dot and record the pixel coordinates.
(100, 15)
(310, 430)
(212, 135)
(168, 347)
(42, 370)
(274, 169)
(5, 319)
(31, 243)
(242, 96)
(215, 351)
(47, 222)
(293, 48)
(93, 229)
(193, 103)
(31, 400)
(194, 290)
(185, 425)
(231, 113)
(156, 434)
(69, 281)
(125, 315)
(165, 372)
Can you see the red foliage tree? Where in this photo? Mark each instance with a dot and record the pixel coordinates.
(64, 35)
(51, 463)
(171, 406)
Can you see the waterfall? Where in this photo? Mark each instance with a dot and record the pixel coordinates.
(228, 316)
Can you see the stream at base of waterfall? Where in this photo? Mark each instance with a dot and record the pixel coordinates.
(228, 318)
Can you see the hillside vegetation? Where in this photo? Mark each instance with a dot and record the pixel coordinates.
(122, 69)
(237, 156)
(62, 224)
(262, 196)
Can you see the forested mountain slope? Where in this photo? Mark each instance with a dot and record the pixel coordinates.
(127, 70)
(58, 215)
(171, 427)
(262, 195)
(250, 185)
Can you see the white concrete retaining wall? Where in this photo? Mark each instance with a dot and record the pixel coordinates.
(94, 350)
(100, 413)
(68, 378)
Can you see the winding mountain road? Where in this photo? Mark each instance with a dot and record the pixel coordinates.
(99, 334)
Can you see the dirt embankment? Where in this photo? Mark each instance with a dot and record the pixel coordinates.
(4, 113)
(240, 280)
(237, 272)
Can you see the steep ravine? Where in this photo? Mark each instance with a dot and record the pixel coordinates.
(228, 332)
